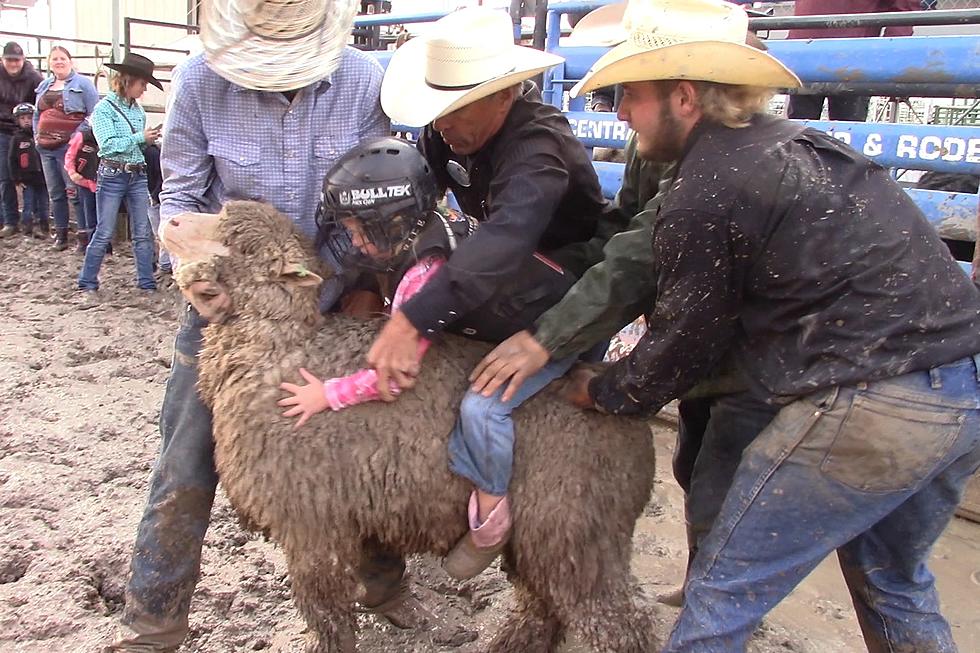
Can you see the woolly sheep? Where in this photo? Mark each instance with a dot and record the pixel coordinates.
(379, 472)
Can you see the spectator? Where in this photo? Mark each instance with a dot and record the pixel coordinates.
(119, 124)
(843, 106)
(17, 82)
(64, 100)
(82, 164)
(258, 89)
(25, 169)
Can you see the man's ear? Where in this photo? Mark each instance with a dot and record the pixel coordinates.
(684, 98)
(300, 275)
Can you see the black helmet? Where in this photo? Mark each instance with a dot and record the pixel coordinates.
(23, 109)
(375, 201)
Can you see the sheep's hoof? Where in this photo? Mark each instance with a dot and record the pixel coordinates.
(403, 610)
(527, 632)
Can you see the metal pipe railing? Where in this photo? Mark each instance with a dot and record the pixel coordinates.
(128, 22)
(878, 19)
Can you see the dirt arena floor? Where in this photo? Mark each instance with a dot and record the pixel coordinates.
(80, 390)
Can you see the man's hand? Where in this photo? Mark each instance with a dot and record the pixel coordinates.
(516, 358)
(76, 178)
(209, 299)
(307, 400)
(576, 390)
(394, 355)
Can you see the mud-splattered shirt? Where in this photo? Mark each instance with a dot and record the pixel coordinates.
(802, 254)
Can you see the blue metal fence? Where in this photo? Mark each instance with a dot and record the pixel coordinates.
(948, 65)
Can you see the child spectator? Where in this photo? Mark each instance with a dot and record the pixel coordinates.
(82, 166)
(25, 168)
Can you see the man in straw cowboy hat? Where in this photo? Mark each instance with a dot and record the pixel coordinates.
(513, 163)
(805, 258)
(274, 100)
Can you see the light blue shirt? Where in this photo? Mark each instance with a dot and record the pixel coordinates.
(119, 140)
(223, 142)
(78, 94)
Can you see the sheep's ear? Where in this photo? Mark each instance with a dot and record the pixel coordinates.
(300, 275)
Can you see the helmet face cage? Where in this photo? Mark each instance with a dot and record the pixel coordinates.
(374, 202)
(23, 109)
(371, 239)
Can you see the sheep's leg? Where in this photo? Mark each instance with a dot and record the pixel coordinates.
(322, 594)
(611, 621)
(532, 628)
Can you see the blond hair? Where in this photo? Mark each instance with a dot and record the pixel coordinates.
(118, 83)
(730, 105)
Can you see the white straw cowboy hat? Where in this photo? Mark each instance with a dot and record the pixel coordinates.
(275, 45)
(467, 55)
(600, 27)
(686, 39)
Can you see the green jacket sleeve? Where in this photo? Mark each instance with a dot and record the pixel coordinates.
(601, 303)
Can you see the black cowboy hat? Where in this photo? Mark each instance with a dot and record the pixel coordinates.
(137, 66)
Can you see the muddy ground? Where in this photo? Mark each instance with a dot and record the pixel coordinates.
(80, 392)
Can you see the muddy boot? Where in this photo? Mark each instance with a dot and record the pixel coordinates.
(41, 230)
(482, 544)
(675, 597)
(147, 635)
(81, 242)
(8, 231)
(60, 240)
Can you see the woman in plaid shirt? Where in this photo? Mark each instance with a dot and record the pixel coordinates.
(119, 123)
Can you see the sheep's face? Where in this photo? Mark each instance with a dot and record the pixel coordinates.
(246, 258)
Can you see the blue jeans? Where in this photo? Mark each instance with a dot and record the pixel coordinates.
(167, 553)
(735, 422)
(87, 217)
(35, 206)
(481, 447)
(8, 191)
(114, 187)
(61, 189)
(874, 471)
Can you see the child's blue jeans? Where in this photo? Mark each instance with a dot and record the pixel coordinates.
(481, 447)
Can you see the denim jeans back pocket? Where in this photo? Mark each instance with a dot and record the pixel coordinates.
(886, 447)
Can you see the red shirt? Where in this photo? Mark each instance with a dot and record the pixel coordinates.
(815, 7)
(54, 126)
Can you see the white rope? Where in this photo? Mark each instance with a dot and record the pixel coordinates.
(275, 45)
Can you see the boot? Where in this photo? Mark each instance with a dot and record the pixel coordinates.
(27, 229)
(41, 231)
(675, 597)
(81, 242)
(8, 231)
(482, 544)
(60, 239)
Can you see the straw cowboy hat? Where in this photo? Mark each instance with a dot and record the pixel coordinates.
(601, 27)
(467, 55)
(137, 66)
(686, 39)
(275, 45)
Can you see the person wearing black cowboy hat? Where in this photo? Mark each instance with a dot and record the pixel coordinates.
(119, 124)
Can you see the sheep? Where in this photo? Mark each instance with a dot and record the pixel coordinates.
(379, 473)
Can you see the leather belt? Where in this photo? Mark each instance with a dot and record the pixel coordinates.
(124, 166)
